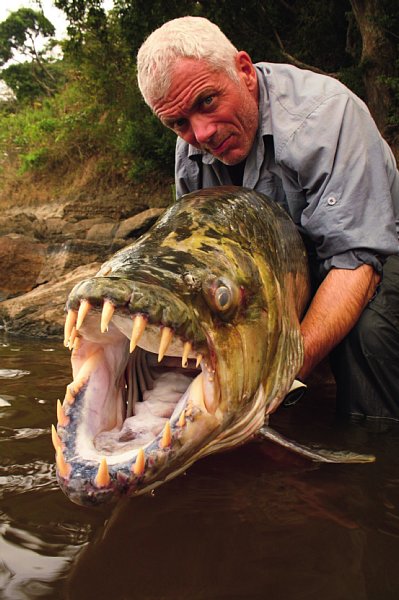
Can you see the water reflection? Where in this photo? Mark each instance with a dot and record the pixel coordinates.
(250, 524)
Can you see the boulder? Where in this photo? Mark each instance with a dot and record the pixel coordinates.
(135, 226)
(21, 260)
(41, 312)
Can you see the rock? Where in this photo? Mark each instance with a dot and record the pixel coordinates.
(41, 312)
(21, 260)
(102, 231)
(47, 249)
(135, 226)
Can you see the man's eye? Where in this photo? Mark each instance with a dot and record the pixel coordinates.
(179, 123)
(208, 100)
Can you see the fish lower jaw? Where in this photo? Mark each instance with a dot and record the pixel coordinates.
(111, 439)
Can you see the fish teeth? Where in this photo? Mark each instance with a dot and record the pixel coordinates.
(55, 438)
(166, 439)
(62, 419)
(64, 468)
(70, 323)
(106, 315)
(102, 478)
(84, 308)
(166, 338)
(187, 348)
(182, 419)
(139, 325)
(139, 466)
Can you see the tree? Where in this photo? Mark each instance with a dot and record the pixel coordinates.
(19, 35)
(378, 23)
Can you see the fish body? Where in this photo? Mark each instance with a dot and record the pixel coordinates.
(182, 343)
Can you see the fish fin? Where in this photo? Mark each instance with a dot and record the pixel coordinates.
(295, 393)
(315, 454)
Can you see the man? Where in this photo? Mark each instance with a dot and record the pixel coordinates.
(309, 143)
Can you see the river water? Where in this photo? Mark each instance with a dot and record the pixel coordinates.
(254, 523)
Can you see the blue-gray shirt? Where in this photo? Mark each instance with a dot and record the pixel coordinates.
(318, 153)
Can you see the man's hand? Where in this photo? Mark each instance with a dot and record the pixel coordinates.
(334, 310)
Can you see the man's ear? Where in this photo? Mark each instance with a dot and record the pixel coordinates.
(246, 70)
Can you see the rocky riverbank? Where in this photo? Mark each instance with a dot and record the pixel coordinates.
(45, 251)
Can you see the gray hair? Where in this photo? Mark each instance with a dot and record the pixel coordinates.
(185, 37)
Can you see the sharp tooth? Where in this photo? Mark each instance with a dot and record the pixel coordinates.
(166, 436)
(62, 419)
(102, 478)
(76, 343)
(69, 325)
(72, 338)
(84, 308)
(106, 315)
(199, 359)
(139, 324)
(64, 469)
(166, 338)
(196, 390)
(55, 438)
(187, 348)
(182, 419)
(139, 465)
(69, 395)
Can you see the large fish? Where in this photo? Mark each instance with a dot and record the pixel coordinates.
(181, 344)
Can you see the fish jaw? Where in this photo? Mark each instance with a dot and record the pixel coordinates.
(105, 449)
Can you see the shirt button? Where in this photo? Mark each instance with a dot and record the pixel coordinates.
(331, 201)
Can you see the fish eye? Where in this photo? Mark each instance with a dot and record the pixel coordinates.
(223, 298)
(222, 295)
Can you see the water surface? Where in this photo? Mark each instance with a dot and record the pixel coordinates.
(254, 523)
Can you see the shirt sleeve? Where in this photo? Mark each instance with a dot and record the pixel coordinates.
(338, 158)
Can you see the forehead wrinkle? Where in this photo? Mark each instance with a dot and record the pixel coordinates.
(180, 101)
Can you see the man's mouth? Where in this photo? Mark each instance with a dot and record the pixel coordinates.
(221, 147)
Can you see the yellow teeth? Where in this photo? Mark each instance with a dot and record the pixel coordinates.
(139, 465)
(55, 438)
(139, 324)
(166, 338)
(182, 419)
(62, 419)
(64, 469)
(199, 359)
(69, 396)
(70, 322)
(166, 436)
(84, 308)
(106, 315)
(102, 479)
(187, 348)
(72, 338)
(196, 391)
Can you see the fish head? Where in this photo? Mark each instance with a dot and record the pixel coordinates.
(179, 345)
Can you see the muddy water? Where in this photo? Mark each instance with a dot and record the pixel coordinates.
(251, 524)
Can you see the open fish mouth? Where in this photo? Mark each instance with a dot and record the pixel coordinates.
(140, 386)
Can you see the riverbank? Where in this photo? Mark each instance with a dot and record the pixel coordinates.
(47, 246)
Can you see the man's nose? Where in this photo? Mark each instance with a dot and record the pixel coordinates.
(203, 129)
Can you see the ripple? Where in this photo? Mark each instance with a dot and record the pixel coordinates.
(13, 373)
(30, 566)
(23, 433)
(21, 479)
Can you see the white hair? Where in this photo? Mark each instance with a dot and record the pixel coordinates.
(185, 37)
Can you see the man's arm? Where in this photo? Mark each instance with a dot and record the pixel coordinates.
(335, 308)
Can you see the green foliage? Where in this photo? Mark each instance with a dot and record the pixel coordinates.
(97, 111)
(19, 32)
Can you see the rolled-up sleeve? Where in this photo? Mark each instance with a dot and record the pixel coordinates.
(339, 160)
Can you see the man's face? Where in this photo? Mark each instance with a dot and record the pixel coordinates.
(211, 111)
